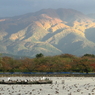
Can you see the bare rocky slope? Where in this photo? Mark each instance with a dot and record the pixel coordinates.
(48, 31)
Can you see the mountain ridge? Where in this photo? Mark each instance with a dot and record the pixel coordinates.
(48, 31)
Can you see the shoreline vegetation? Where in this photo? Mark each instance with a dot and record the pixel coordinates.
(47, 75)
(78, 66)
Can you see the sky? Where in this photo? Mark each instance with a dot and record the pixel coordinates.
(9, 8)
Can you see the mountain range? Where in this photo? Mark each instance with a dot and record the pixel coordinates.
(48, 31)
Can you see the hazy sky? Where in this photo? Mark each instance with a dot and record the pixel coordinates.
(17, 7)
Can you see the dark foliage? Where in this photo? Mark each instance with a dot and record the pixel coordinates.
(59, 63)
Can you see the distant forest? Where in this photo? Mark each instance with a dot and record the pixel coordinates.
(41, 63)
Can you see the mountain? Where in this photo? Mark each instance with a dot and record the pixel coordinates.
(48, 31)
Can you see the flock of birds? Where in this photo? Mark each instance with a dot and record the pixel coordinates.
(60, 86)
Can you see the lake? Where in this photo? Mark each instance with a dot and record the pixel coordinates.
(60, 86)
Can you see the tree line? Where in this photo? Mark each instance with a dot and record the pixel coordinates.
(41, 63)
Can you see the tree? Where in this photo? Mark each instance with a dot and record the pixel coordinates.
(28, 65)
(67, 56)
(39, 55)
(89, 55)
(81, 65)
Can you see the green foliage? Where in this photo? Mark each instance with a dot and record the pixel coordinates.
(59, 63)
(89, 55)
(67, 56)
(82, 65)
(39, 55)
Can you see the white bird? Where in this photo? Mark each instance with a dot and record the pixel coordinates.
(43, 78)
(8, 79)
